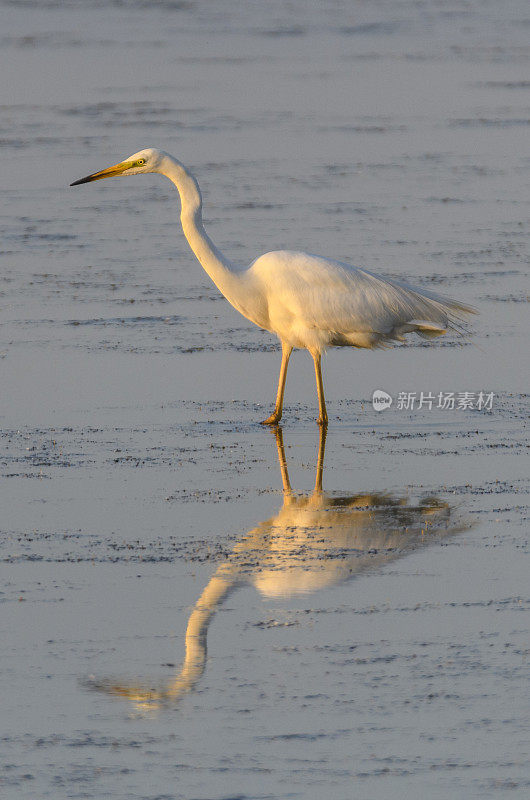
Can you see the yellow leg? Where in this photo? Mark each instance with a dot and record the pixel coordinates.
(323, 414)
(320, 461)
(276, 415)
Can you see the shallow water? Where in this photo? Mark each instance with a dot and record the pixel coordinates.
(175, 624)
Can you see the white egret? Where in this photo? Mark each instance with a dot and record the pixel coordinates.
(307, 301)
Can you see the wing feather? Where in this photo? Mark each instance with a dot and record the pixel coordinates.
(346, 301)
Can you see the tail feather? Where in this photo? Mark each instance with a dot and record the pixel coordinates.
(427, 329)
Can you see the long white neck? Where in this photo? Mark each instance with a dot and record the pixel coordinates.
(220, 270)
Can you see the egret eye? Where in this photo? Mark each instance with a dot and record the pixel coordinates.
(140, 161)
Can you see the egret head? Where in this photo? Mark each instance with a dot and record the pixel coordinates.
(144, 161)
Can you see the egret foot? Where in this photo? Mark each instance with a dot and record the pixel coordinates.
(274, 419)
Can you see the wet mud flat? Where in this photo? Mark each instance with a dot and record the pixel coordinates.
(193, 607)
(181, 606)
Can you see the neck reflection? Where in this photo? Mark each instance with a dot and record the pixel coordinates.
(315, 541)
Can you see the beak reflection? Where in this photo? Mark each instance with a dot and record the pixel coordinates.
(315, 541)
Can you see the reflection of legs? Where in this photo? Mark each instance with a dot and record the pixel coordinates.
(320, 461)
(276, 415)
(283, 462)
(323, 414)
(278, 432)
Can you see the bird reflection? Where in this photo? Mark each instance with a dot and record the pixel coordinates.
(314, 541)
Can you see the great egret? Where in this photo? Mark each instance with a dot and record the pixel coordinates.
(306, 300)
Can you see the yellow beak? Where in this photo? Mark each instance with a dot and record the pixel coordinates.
(110, 172)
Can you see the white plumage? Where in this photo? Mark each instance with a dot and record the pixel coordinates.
(314, 302)
(307, 301)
